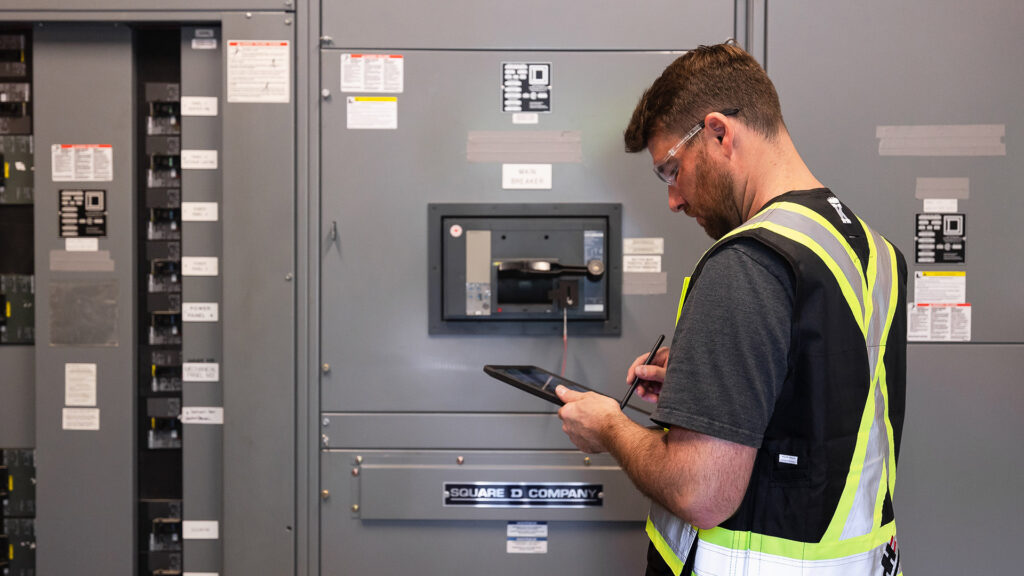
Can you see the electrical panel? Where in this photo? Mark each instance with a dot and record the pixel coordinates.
(17, 512)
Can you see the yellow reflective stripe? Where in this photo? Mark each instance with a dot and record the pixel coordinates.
(830, 263)
(682, 297)
(808, 213)
(664, 548)
(893, 301)
(798, 550)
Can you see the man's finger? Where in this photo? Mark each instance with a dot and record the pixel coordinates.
(567, 395)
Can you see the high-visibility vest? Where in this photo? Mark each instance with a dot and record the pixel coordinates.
(819, 502)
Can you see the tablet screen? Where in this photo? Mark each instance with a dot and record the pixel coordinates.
(534, 380)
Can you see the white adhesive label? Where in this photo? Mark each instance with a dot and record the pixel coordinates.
(199, 159)
(259, 71)
(198, 105)
(81, 419)
(200, 372)
(199, 266)
(82, 244)
(200, 529)
(79, 384)
(940, 287)
(372, 113)
(940, 205)
(82, 162)
(369, 73)
(199, 212)
(202, 415)
(199, 311)
(526, 538)
(526, 176)
(204, 43)
(593, 307)
(939, 322)
(643, 245)
(641, 263)
(525, 118)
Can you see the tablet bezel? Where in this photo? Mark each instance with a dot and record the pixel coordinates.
(499, 372)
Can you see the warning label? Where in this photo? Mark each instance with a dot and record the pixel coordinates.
(384, 73)
(259, 71)
(82, 162)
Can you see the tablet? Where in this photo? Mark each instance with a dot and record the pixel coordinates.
(534, 380)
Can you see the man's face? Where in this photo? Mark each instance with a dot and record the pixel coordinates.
(702, 189)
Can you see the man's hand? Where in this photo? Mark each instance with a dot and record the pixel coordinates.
(587, 418)
(652, 374)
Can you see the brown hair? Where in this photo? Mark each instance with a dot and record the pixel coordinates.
(708, 79)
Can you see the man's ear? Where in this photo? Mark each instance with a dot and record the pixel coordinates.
(720, 129)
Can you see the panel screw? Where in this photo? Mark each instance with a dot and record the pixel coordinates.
(359, 459)
(326, 94)
(288, 277)
(460, 460)
(248, 14)
(355, 507)
(287, 21)
(325, 494)
(327, 422)
(355, 471)
(586, 461)
(324, 440)
(326, 367)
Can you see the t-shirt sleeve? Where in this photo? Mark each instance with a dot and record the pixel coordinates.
(729, 353)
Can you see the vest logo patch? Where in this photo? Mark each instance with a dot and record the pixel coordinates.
(787, 459)
(839, 209)
(891, 558)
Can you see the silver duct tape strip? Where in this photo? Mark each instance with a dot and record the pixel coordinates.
(525, 147)
(645, 283)
(63, 261)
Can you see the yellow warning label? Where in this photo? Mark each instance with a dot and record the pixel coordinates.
(8, 311)
(7, 169)
(936, 273)
(376, 99)
(10, 483)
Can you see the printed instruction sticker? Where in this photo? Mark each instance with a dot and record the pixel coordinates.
(940, 205)
(82, 162)
(643, 245)
(199, 266)
(80, 419)
(641, 263)
(939, 322)
(526, 538)
(199, 212)
(198, 159)
(525, 118)
(202, 415)
(79, 384)
(940, 287)
(259, 71)
(199, 312)
(526, 176)
(82, 244)
(200, 529)
(372, 113)
(373, 73)
(200, 372)
(198, 105)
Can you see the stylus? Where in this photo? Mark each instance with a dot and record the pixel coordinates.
(636, 379)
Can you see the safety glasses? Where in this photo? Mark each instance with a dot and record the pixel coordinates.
(668, 169)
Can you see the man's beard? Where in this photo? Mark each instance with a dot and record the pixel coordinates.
(717, 207)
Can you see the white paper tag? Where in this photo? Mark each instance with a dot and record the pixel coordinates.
(372, 113)
(79, 384)
(198, 105)
(82, 244)
(199, 266)
(259, 71)
(643, 245)
(372, 73)
(525, 118)
(200, 372)
(202, 415)
(199, 311)
(641, 263)
(20, 166)
(200, 529)
(940, 205)
(526, 538)
(526, 176)
(82, 162)
(198, 159)
(81, 419)
(940, 287)
(199, 212)
(204, 43)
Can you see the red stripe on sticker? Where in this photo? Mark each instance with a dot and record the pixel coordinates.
(396, 56)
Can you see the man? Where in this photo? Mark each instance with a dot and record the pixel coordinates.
(782, 396)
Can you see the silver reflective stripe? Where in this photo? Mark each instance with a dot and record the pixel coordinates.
(678, 534)
(715, 560)
(862, 514)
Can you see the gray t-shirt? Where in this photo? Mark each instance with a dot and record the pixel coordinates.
(728, 359)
